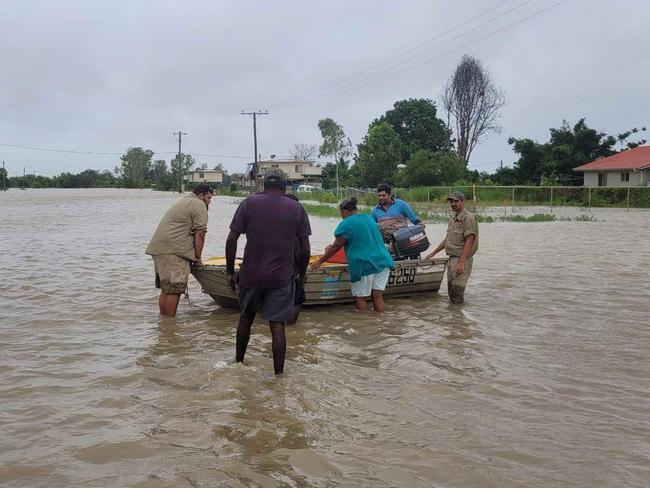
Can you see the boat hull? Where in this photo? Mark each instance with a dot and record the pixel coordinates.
(331, 283)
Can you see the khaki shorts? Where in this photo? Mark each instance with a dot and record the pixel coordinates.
(461, 279)
(172, 273)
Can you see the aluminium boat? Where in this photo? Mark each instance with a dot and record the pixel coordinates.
(331, 283)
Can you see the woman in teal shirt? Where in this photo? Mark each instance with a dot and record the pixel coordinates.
(369, 262)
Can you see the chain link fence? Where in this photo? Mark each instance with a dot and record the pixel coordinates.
(508, 196)
(490, 203)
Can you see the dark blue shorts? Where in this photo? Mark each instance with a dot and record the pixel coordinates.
(274, 304)
(300, 293)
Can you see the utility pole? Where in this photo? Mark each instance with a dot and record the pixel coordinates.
(4, 183)
(256, 167)
(23, 177)
(180, 162)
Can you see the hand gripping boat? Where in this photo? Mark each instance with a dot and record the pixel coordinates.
(331, 283)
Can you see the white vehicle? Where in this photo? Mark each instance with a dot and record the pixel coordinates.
(306, 188)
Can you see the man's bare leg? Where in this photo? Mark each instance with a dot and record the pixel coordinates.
(378, 300)
(170, 304)
(243, 336)
(279, 346)
(161, 303)
(361, 304)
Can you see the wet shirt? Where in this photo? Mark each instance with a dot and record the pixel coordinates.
(460, 226)
(175, 232)
(272, 223)
(364, 246)
(396, 208)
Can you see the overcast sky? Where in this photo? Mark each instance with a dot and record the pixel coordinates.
(100, 76)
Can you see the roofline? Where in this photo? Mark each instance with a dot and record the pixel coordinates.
(646, 166)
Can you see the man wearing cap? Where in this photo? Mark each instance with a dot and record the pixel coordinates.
(177, 243)
(273, 224)
(460, 243)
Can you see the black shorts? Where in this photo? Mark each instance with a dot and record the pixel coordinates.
(274, 304)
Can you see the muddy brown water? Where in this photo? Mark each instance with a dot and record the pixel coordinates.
(540, 379)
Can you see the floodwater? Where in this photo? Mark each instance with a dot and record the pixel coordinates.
(540, 380)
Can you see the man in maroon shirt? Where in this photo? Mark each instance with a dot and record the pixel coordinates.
(272, 223)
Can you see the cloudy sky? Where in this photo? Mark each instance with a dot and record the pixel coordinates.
(100, 76)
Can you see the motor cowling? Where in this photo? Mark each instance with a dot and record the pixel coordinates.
(409, 242)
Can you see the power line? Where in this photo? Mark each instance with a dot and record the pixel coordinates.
(74, 151)
(400, 63)
(60, 150)
(345, 90)
(219, 156)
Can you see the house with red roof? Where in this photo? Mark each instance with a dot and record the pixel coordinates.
(627, 168)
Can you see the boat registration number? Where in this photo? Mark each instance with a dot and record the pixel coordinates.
(402, 276)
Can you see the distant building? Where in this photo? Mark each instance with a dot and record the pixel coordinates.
(210, 176)
(298, 172)
(627, 168)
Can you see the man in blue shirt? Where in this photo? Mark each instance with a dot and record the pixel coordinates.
(369, 262)
(392, 213)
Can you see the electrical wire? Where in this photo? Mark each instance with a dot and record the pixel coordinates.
(342, 91)
(396, 56)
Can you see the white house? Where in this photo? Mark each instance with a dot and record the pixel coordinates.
(210, 176)
(627, 168)
(297, 171)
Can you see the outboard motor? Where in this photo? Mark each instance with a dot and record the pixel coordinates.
(409, 242)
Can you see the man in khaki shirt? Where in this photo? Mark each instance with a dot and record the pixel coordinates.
(177, 243)
(460, 243)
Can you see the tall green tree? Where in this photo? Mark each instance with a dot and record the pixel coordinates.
(429, 168)
(180, 167)
(329, 174)
(4, 179)
(417, 125)
(379, 155)
(335, 144)
(136, 166)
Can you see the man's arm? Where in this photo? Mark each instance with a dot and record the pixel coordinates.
(231, 252)
(409, 213)
(440, 247)
(330, 251)
(305, 254)
(199, 241)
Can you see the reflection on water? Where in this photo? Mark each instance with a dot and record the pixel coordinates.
(540, 379)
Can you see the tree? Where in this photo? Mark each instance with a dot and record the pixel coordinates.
(303, 152)
(329, 173)
(417, 124)
(335, 143)
(379, 155)
(136, 166)
(429, 168)
(473, 102)
(180, 167)
(4, 179)
(161, 177)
